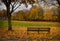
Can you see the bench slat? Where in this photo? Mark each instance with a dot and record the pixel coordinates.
(38, 29)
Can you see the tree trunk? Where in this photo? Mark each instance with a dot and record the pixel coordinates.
(58, 2)
(9, 22)
(58, 11)
(9, 17)
(59, 15)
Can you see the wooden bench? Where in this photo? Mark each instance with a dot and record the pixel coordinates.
(36, 29)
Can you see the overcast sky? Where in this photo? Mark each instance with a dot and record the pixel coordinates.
(22, 7)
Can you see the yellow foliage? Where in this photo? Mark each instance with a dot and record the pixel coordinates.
(48, 14)
(34, 12)
(18, 16)
(58, 9)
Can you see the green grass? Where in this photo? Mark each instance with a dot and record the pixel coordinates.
(1, 23)
(26, 24)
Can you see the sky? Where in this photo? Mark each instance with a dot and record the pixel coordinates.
(20, 7)
(42, 4)
(23, 7)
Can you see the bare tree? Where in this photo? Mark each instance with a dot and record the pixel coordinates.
(11, 6)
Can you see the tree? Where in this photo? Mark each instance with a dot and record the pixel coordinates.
(58, 2)
(35, 14)
(2, 14)
(58, 10)
(12, 7)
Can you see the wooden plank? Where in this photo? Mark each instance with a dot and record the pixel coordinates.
(38, 29)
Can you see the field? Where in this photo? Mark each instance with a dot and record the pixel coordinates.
(19, 32)
(30, 23)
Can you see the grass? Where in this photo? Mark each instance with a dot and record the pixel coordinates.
(20, 33)
(28, 24)
(1, 23)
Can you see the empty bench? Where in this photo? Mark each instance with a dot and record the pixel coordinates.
(36, 29)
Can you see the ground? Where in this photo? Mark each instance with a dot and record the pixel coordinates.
(19, 32)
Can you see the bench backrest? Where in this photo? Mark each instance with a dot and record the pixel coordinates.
(38, 29)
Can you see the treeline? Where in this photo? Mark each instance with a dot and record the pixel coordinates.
(35, 14)
(3, 15)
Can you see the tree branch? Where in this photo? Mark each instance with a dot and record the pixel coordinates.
(14, 7)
